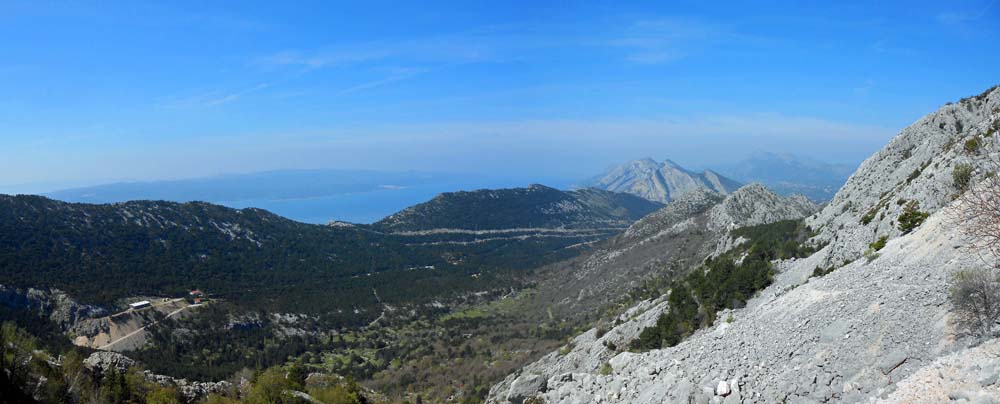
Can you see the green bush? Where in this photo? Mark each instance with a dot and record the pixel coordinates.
(720, 283)
(962, 176)
(606, 369)
(820, 271)
(912, 217)
(879, 244)
(972, 145)
(566, 349)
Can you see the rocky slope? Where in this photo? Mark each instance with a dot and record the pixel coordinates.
(917, 165)
(54, 305)
(671, 239)
(844, 337)
(850, 336)
(660, 182)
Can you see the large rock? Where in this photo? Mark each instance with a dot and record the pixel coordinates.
(722, 389)
(103, 362)
(525, 387)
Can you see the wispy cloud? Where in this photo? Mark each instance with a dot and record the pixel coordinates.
(669, 39)
(396, 75)
(962, 17)
(469, 47)
(864, 89)
(214, 98)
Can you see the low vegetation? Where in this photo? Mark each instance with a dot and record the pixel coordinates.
(879, 244)
(912, 217)
(975, 293)
(727, 281)
(975, 297)
(972, 145)
(961, 176)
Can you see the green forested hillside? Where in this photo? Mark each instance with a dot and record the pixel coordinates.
(536, 206)
(100, 253)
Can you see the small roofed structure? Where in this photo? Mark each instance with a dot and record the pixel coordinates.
(139, 305)
(196, 293)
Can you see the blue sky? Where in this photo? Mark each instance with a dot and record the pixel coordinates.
(110, 90)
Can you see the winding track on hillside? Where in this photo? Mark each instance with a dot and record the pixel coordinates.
(107, 347)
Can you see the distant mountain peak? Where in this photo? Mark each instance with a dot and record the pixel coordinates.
(789, 174)
(660, 182)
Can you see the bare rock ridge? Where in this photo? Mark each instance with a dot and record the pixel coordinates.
(680, 234)
(876, 328)
(660, 182)
(917, 165)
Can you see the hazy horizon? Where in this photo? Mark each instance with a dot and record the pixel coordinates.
(105, 92)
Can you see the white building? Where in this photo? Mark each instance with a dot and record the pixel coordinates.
(139, 305)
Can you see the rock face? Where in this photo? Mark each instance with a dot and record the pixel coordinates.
(875, 328)
(660, 182)
(55, 304)
(103, 362)
(526, 386)
(916, 165)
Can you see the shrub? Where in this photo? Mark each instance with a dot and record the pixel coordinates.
(566, 349)
(871, 255)
(972, 145)
(975, 296)
(912, 217)
(820, 271)
(722, 283)
(606, 369)
(868, 217)
(961, 176)
(880, 243)
(601, 330)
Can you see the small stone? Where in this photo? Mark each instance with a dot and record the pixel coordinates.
(722, 389)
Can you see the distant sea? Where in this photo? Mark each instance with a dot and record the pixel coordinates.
(361, 206)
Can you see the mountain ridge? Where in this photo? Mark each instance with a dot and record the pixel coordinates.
(876, 314)
(535, 206)
(660, 182)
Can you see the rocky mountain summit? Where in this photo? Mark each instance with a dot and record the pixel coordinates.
(660, 182)
(877, 326)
